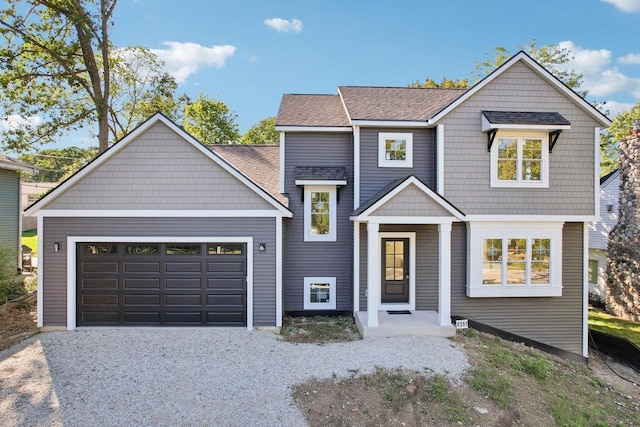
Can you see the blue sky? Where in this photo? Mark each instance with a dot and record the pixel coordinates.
(251, 52)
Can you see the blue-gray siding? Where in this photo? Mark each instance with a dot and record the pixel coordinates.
(10, 213)
(467, 162)
(554, 321)
(318, 259)
(374, 178)
(58, 229)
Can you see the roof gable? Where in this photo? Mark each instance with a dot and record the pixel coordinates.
(407, 197)
(522, 57)
(12, 164)
(180, 177)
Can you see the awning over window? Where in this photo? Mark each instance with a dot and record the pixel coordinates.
(549, 121)
(320, 175)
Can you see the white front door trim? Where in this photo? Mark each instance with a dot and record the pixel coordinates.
(411, 305)
(72, 272)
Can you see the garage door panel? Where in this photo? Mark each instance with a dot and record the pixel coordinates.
(141, 283)
(161, 284)
(141, 267)
(179, 300)
(180, 267)
(100, 267)
(141, 299)
(98, 283)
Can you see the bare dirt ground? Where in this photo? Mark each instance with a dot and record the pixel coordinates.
(17, 324)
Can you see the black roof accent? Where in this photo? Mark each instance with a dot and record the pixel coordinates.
(525, 118)
(321, 173)
(604, 179)
(390, 187)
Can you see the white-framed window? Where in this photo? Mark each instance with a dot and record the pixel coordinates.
(395, 150)
(320, 211)
(319, 293)
(593, 271)
(520, 159)
(515, 259)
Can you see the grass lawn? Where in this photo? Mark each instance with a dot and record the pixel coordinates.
(603, 322)
(30, 238)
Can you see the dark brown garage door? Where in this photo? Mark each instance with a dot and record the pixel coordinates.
(161, 284)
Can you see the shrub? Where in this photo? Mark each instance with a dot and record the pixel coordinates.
(10, 283)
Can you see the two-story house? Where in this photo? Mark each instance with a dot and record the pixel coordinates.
(402, 206)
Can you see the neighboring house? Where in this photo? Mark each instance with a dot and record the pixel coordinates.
(599, 235)
(10, 206)
(433, 202)
(30, 193)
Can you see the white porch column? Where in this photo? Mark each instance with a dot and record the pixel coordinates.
(373, 274)
(444, 275)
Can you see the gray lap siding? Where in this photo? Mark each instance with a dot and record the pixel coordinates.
(57, 229)
(10, 213)
(554, 321)
(318, 259)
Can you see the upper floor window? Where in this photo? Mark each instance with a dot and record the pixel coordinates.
(395, 150)
(320, 213)
(520, 160)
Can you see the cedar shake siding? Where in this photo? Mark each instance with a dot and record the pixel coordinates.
(555, 321)
(467, 162)
(374, 178)
(58, 229)
(318, 259)
(159, 170)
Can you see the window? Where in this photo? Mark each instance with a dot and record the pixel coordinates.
(183, 249)
(225, 249)
(142, 249)
(319, 293)
(515, 259)
(520, 160)
(320, 213)
(593, 271)
(395, 150)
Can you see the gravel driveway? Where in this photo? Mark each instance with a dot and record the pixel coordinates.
(194, 376)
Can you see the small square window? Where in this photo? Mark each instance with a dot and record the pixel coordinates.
(395, 150)
(319, 293)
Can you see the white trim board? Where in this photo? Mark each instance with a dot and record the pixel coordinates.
(411, 305)
(313, 128)
(71, 265)
(107, 213)
(114, 149)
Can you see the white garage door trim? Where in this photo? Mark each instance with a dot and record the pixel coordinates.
(71, 264)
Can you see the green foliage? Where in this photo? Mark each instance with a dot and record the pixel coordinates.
(10, 283)
(54, 62)
(552, 57)
(263, 132)
(210, 121)
(54, 164)
(493, 383)
(445, 83)
(30, 238)
(620, 128)
(603, 322)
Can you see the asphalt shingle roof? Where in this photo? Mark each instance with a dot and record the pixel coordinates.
(8, 161)
(525, 118)
(322, 173)
(312, 110)
(259, 163)
(396, 103)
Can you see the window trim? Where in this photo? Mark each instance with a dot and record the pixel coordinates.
(333, 205)
(331, 305)
(382, 149)
(520, 136)
(526, 230)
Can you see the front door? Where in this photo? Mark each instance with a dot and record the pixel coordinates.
(395, 270)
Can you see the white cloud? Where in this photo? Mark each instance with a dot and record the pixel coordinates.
(184, 59)
(14, 122)
(631, 58)
(625, 5)
(614, 108)
(284, 25)
(600, 77)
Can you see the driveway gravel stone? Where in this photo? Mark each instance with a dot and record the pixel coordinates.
(188, 376)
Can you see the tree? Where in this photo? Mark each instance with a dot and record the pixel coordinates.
(210, 121)
(54, 57)
(139, 89)
(620, 128)
(54, 164)
(263, 132)
(552, 57)
(444, 83)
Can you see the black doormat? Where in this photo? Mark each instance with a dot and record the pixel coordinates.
(399, 312)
